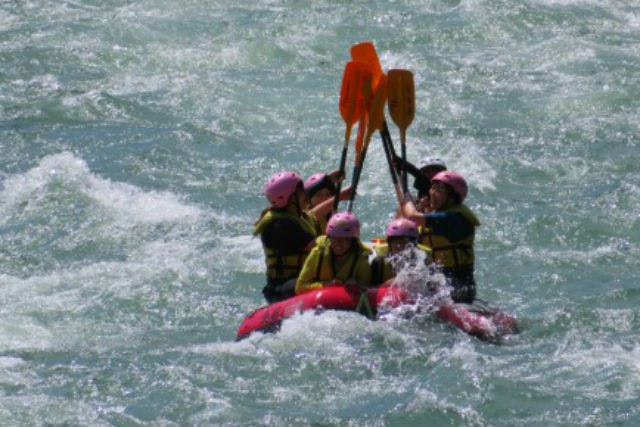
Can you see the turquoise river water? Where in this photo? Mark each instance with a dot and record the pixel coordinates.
(135, 137)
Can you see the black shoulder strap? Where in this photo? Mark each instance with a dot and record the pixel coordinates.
(377, 270)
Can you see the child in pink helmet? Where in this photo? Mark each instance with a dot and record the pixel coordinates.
(402, 235)
(287, 232)
(340, 259)
(320, 189)
(449, 230)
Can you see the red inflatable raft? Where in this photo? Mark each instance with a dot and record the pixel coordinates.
(485, 323)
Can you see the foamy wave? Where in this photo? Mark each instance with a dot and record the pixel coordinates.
(613, 248)
(607, 364)
(241, 252)
(128, 204)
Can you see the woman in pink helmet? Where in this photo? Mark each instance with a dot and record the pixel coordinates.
(422, 171)
(449, 231)
(320, 189)
(287, 232)
(339, 260)
(402, 235)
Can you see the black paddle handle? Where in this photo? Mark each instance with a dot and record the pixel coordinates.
(387, 145)
(343, 161)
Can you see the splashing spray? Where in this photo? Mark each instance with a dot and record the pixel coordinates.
(427, 286)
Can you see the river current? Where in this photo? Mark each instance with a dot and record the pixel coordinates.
(136, 137)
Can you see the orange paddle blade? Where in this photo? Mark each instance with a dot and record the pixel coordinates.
(367, 93)
(402, 103)
(366, 52)
(376, 111)
(356, 75)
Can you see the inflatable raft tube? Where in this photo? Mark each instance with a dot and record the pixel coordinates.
(481, 322)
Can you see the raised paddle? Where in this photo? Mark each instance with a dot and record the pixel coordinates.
(378, 123)
(392, 171)
(366, 52)
(351, 106)
(402, 107)
(362, 124)
(375, 114)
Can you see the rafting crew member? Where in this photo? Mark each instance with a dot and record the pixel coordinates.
(402, 235)
(449, 230)
(340, 259)
(425, 169)
(320, 189)
(287, 232)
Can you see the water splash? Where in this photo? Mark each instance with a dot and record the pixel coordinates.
(427, 286)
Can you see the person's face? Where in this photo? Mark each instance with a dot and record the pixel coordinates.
(397, 244)
(437, 195)
(340, 245)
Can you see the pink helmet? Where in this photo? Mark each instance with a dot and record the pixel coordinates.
(317, 182)
(402, 227)
(453, 180)
(343, 224)
(280, 187)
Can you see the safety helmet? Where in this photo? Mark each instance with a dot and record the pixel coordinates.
(343, 224)
(402, 227)
(280, 187)
(453, 180)
(317, 182)
(431, 162)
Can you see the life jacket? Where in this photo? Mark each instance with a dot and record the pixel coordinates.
(321, 265)
(458, 255)
(284, 267)
(325, 268)
(321, 225)
(381, 267)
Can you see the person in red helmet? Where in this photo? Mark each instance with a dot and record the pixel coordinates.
(287, 232)
(402, 234)
(339, 260)
(449, 230)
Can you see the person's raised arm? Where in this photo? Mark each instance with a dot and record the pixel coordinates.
(410, 211)
(323, 208)
(411, 169)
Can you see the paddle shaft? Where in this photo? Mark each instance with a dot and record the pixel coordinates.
(389, 151)
(343, 161)
(403, 147)
(387, 145)
(357, 168)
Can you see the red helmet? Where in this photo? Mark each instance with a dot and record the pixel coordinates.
(453, 180)
(402, 227)
(280, 187)
(343, 224)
